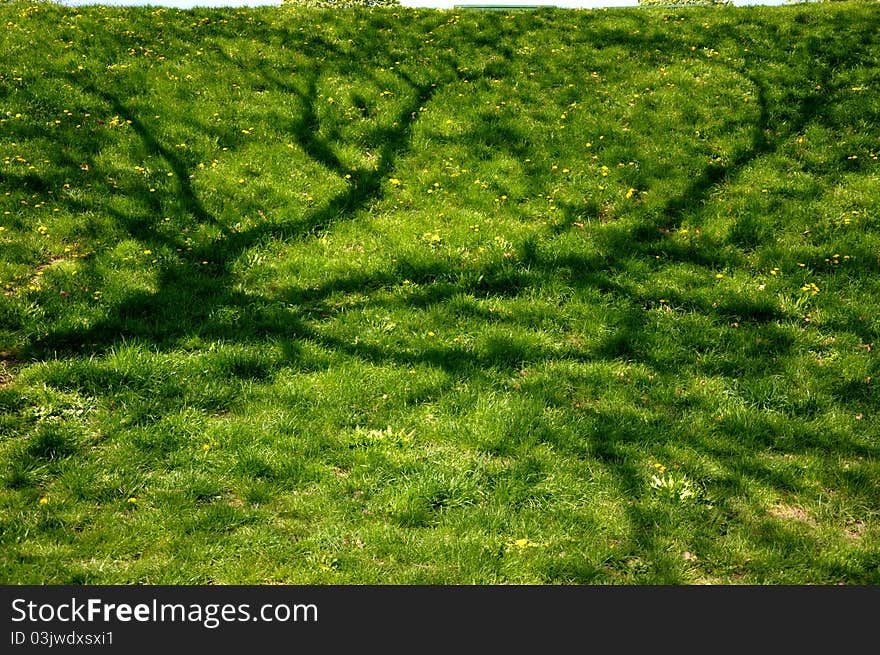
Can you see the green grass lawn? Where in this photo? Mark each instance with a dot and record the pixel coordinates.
(440, 297)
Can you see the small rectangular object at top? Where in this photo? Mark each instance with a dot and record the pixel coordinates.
(502, 7)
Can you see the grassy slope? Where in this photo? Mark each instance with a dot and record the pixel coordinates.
(437, 297)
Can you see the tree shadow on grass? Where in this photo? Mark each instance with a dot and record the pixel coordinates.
(188, 295)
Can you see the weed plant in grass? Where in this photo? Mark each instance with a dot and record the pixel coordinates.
(407, 296)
